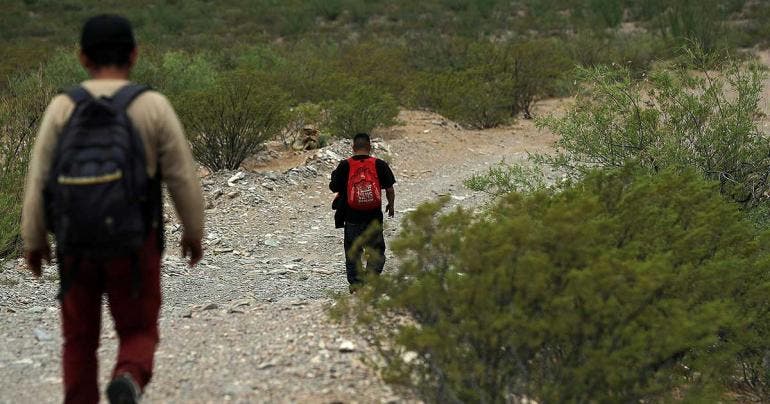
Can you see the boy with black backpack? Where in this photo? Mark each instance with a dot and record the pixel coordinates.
(358, 182)
(94, 181)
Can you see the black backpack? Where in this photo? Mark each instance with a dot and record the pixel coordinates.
(98, 194)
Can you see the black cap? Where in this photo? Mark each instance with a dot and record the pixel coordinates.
(107, 30)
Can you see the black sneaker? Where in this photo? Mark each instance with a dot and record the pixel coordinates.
(123, 390)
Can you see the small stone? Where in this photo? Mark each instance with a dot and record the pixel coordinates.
(267, 186)
(235, 178)
(37, 310)
(267, 365)
(347, 346)
(233, 195)
(409, 357)
(41, 335)
(271, 242)
(210, 306)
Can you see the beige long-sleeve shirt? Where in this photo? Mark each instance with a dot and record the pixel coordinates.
(164, 143)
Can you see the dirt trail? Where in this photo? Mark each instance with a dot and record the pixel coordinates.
(248, 325)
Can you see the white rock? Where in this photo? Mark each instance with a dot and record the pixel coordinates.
(41, 335)
(347, 346)
(330, 155)
(235, 178)
(409, 357)
(271, 242)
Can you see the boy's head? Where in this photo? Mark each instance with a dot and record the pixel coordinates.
(362, 144)
(107, 41)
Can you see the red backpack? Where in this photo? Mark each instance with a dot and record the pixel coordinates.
(364, 191)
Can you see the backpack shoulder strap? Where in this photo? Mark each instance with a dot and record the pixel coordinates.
(126, 95)
(78, 94)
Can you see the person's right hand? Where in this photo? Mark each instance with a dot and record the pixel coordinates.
(35, 260)
(192, 248)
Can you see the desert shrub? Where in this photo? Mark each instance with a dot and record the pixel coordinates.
(465, 97)
(704, 22)
(494, 83)
(312, 80)
(361, 110)
(504, 178)
(674, 117)
(382, 65)
(234, 120)
(609, 13)
(176, 73)
(536, 69)
(623, 287)
(637, 51)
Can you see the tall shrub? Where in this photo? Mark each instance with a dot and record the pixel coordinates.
(234, 120)
(362, 110)
(674, 117)
(624, 287)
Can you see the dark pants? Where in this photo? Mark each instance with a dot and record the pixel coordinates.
(135, 316)
(357, 239)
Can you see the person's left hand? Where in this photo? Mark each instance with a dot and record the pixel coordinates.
(192, 248)
(391, 210)
(35, 260)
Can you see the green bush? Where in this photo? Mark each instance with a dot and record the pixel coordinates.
(624, 287)
(465, 97)
(674, 117)
(504, 178)
(362, 110)
(701, 21)
(176, 73)
(382, 65)
(494, 82)
(233, 121)
(536, 68)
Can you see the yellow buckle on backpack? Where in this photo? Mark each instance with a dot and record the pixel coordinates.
(101, 179)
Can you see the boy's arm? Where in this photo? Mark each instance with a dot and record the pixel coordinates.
(336, 183)
(33, 224)
(390, 193)
(179, 174)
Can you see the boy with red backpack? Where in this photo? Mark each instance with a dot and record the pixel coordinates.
(358, 182)
(102, 151)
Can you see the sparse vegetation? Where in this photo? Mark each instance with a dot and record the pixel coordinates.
(622, 287)
(642, 276)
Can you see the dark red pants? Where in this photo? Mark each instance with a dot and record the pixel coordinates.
(134, 310)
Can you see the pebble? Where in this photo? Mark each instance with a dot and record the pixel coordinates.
(41, 335)
(235, 178)
(347, 346)
(271, 242)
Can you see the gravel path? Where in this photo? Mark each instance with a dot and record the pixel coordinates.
(249, 323)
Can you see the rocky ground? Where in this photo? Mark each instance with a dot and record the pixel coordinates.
(249, 323)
